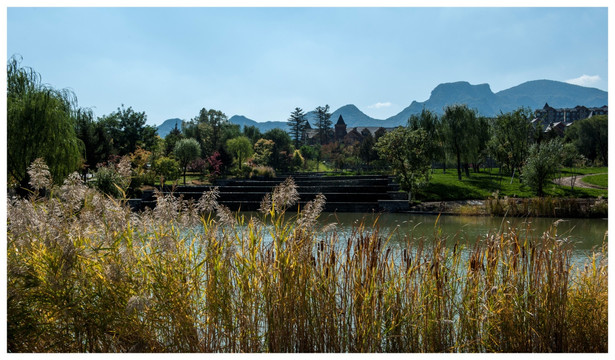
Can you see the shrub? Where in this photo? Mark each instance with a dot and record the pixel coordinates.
(167, 168)
(266, 172)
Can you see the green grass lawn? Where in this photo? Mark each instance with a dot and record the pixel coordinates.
(600, 180)
(446, 186)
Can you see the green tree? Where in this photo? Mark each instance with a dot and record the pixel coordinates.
(262, 151)
(512, 135)
(185, 151)
(429, 122)
(40, 124)
(96, 141)
(252, 133)
(210, 128)
(128, 129)
(367, 152)
(324, 124)
(543, 162)
(171, 139)
(407, 152)
(590, 136)
(458, 133)
(297, 124)
(167, 168)
(282, 148)
(241, 148)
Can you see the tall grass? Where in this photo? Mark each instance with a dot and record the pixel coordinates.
(87, 275)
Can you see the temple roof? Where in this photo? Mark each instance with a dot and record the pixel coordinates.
(340, 121)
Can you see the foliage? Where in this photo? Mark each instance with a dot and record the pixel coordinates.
(263, 149)
(114, 179)
(282, 148)
(90, 276)
(590, 136)
(171, 140)
(297, 160)
(40, 124)
(186, 150)
(128, 130)
(167, 168)
(512, 135)
(367, 150)
(297, 124)
(459, 134)
(266, 172)
(324, 124)
(407, 152)
(215, 166)
(241, 148)
(211, 129)
(543, 162)
(429, 122)
(253, 133)
(97, 143)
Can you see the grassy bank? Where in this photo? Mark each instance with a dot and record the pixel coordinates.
(600, 180)
(482, 185)
(87, 275)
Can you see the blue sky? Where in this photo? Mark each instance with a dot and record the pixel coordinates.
(264, 62)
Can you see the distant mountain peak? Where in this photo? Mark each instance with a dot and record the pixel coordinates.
(531, 94)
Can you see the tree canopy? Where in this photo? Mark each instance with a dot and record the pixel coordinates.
(40, 124)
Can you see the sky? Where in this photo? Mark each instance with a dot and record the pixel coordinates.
(263, 62)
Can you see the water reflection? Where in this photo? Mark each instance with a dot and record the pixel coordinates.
(584, 233)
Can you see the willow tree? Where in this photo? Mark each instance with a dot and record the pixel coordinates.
(40, 124)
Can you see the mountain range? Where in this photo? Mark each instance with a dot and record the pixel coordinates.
(531, 94)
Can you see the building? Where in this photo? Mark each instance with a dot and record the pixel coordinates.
(346, 135)
(549, 115)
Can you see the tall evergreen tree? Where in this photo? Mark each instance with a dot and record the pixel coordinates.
(324, 124)
(297, 125)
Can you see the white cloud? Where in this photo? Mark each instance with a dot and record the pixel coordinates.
(379, 105)
(585, 80)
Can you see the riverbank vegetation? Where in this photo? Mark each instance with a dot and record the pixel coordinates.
(208, 146)
(85, 274)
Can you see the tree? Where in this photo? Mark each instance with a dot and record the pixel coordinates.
(512, 135)
(543, 162)
(185, 151)
(429, 122)
(324, 124)
(252, 133)
(96, 142)
(167, 168)
(367, 152)
(407, 151)
(282, 148)
(262, 151)
(128, 129)
(241, 148)
(590, 136)
(40, 124)
(171, 139)
(297, 124)
(458, 133)
(211, 129)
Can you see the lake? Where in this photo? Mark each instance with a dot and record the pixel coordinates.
(585, 233)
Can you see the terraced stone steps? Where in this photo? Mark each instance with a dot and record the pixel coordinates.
(362, 193)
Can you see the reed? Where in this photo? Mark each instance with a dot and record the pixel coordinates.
(87, 275)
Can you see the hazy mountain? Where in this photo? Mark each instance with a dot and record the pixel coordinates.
(262, 126)
(531, 94)
(165, 128)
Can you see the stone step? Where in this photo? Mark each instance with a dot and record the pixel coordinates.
(258, 196)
